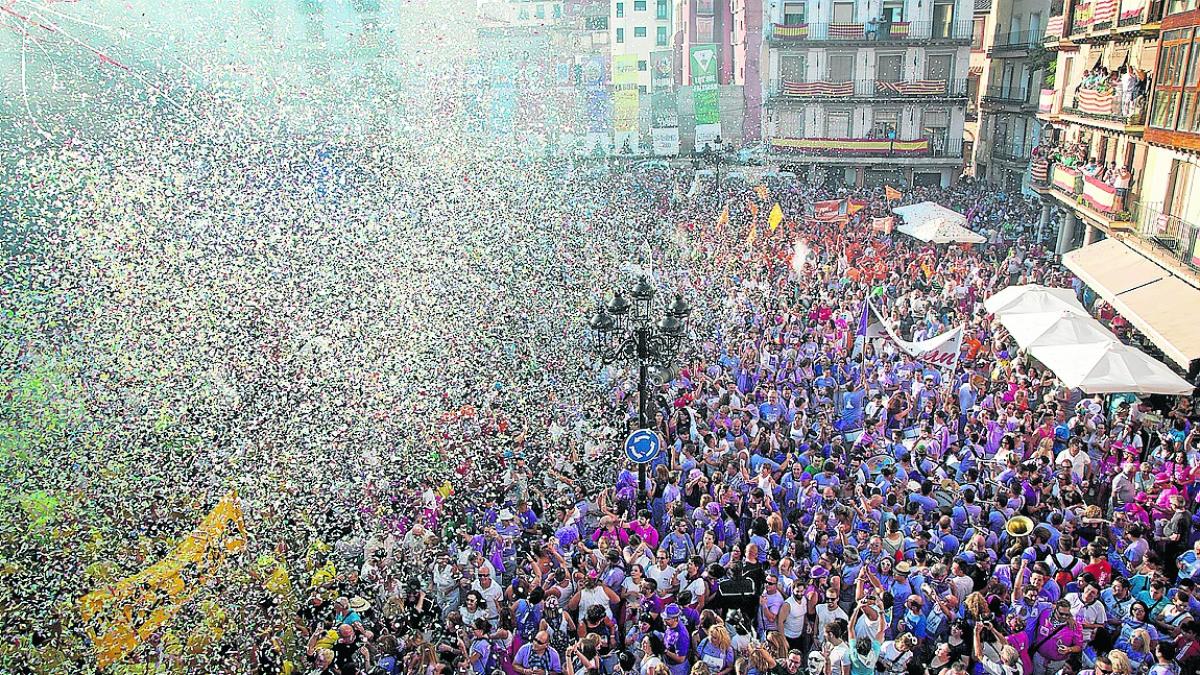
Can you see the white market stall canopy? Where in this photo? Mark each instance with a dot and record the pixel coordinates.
(936, 224)
(1110, 368)
(1157, 302)
(1032, 299)
(1056, 328)
(1078, 349)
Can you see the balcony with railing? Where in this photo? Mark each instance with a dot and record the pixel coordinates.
(1104, 107)
(1021, 41)
(1099, 20)
(935, 148)
(1055, 29)
(1011, 151)
(871, 89)
(999, 95)
(1172, 234)
(883, 32)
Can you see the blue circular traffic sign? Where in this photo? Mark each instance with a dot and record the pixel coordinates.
(642, 446)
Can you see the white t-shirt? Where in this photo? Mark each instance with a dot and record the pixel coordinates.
(825, 616)
(1079, 462)
(491, 597)
(839, 659)
(664, 578)
(1093, 613)
(892, 660)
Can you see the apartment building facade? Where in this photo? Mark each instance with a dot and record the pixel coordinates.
(640, 27)
(870, 92)
(1009, 128)
(1132, 241)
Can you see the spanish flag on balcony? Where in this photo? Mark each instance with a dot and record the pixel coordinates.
(796, 32)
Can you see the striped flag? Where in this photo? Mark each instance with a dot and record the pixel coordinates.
(913, 88)
(1103, 10)
(818, 88)
(891, 193)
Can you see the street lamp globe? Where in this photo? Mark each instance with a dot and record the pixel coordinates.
(618, 308)
(603, 329)
(672, 331)
(643, 300)
(679, 308)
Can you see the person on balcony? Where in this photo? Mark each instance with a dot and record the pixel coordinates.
(873, 29)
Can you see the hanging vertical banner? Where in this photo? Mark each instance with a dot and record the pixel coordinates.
(597, 102)
(664, 113)
(625, 102)
(706, 99)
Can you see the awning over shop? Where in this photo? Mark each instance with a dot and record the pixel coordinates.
(1156, 302)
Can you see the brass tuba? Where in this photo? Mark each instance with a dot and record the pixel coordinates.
(1019, 527)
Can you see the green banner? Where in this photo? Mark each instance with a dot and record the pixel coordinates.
(625, 93)
(704, 84)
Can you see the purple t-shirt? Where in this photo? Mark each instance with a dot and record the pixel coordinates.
(1049, 637)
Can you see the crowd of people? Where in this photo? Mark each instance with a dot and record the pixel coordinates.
(383, 354)
(1129, 86)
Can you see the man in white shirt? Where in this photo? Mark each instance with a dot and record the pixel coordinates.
(828, 611)
(663, 574)
(491, 592)
(1080, 461)
(1089, 610)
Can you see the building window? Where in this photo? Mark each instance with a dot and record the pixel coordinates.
(641, 66)
(793, 13)
(704, 7)
(893, 11)
(841, 67)
(838, 124)
(704, 29)
(793, 68)
(639, 5)
(977, 33)
(660, 36)
(890, 68)
(1176, 91)
(620, 36)
(939, 66)
(557, 11)
(620, 10)
(661, 11)
(596, 23)
(642, 89)
(540, 11)
(1177, 6)
(843, 12)
(639, 31)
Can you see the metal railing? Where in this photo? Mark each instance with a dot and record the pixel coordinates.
(1109, 108)
(1085, 25)
(936, 147)
(952, 147)
(1022, 40)
(903, 31)
(1171, 233)
(872, 89)
(1013, 152)
(1009, 95)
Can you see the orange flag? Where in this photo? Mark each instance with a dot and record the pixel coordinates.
(753, 233)
(724, 218)
(892, 193)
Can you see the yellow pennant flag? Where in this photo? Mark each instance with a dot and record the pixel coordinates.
(891, 193)
(776, 217)
(119, 616)
(724, 217)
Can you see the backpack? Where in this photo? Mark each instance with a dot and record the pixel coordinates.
(1065, 574)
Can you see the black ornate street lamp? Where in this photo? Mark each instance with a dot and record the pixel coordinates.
(715, 154)
(622, 330)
